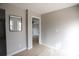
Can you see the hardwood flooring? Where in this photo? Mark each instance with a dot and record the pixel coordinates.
(39, 50)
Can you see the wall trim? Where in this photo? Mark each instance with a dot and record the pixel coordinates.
(39, 28)
(16, 52)
(29, 48)
(49, 46)
(40, 42)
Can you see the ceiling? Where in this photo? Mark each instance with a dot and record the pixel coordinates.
(42, 8)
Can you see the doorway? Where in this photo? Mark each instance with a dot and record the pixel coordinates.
(35, 31)
(2, 33)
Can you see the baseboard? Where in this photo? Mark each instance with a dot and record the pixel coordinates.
(29, 48)
(49, 46)
(40, 42)
(16, 52)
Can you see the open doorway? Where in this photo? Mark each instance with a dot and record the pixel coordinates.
(35, 31)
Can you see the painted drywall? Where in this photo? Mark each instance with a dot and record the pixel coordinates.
(56, 28)
(16, 41)
(30, 15)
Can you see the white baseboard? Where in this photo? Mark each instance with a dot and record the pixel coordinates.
(16, 52)
(49, 46)
(29, 48)
(40, 42)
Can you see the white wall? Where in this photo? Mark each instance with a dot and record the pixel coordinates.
(18, 40)
(56, 25)
(15, 40)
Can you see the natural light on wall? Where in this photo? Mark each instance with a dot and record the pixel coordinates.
(71, 44)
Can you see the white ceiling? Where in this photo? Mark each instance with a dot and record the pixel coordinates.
(42, 8)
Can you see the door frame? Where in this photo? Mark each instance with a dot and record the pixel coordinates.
(39, 29)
